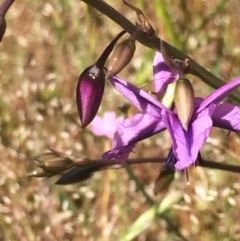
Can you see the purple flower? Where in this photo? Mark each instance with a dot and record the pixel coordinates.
(156, 118)
(162, 74)
(105, 126)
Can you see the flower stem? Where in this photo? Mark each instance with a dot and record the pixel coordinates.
(205, 164)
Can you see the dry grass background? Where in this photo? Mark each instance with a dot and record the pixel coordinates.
(46, 46)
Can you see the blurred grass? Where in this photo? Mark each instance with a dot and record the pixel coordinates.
(46, 46)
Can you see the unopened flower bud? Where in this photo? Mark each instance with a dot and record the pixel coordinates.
(121, 56)
(90, 90)
(57, 165)
(91, 86)
(79, 174)
(184, 101)
(53, 163)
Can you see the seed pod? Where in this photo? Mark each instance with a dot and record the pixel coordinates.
(121, 56)
(184, 101)
(56, 166)
(54, 162)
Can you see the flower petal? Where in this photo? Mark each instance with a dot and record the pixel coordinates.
(136, 129)
(186, 145)
(96, 125)
(163, 75)
(227, 116)
(120, 154)
(220, 94)
(139, 98)
(105, 126)
(131, 131)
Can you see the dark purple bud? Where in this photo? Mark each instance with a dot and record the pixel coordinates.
(91, 86)
(3, 10)
(79, 174)
(120, 57)
(90, 90)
